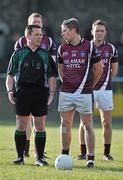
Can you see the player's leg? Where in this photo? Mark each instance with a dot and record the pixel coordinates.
(84, 107)
(28, 136)
(66, 108)
(65, 130)
(106, 120)
(82, 144)
(105, 105)
(89, 138)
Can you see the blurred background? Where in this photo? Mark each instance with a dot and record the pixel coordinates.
(13, 20)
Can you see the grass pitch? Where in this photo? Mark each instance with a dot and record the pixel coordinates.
(103, 170)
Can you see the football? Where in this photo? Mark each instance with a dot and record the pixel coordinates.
(64, 162)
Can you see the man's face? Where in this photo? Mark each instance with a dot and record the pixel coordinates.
(36, 21)
(67, 33)
(99, 32)
(35, 37)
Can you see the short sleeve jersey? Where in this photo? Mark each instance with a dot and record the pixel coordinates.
(77, 64)
(109, 55)
(31, 68)
(46, 43)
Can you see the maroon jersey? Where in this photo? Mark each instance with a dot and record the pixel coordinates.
(78, 61)
(46, 43)
(109, 55)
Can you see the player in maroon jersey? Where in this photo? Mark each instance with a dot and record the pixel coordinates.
(79, 69)
(103, 90)
(46, 43)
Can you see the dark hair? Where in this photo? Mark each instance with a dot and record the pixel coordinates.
(30, 28)
(99, 22)
(72, 23)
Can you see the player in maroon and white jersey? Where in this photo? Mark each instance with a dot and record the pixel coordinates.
(46, 43)
(79, 69)
(103, 90)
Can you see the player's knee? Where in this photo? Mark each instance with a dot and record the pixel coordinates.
(106, 124)
(21, 127)
(65, 123)
(88, 127)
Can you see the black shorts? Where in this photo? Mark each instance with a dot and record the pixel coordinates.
(31, 100)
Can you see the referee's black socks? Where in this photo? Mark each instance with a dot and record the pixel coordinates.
(20, 141)
(40, 140)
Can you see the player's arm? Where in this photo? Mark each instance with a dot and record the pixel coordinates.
(97, 68)
(60, 71)
(97, 72)
(20, 43)
(114, 69)
(17, 45)
(114, 64)
(52, 49)
(60, 64)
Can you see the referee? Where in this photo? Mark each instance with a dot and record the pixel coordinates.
(31, 87)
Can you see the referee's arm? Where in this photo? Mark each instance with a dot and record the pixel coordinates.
(10, 82)
(9, 86)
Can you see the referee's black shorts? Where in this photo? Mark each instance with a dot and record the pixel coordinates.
(31, 100)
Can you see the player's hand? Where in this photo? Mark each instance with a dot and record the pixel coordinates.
(11, 98)
(51, 97)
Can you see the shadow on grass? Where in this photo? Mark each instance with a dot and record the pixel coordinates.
(96, 168)
(99, 168)
(109, 169)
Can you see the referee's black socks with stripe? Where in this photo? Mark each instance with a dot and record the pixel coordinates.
(20, 141)
(40, 140)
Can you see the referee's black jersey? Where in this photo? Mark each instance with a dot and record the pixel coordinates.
(32, 68)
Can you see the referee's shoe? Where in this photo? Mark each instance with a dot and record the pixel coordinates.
(19, 161)
(108, 158)
(41, 162)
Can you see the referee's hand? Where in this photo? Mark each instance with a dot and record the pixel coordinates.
(11, 98)
(51, 97)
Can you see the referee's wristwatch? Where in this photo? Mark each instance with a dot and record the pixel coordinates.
(52, 93)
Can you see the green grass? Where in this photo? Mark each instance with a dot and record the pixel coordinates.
(103, 170)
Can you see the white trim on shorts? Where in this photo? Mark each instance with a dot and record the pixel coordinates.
(80, 102)
(103, 99)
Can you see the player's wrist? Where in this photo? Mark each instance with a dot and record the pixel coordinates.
(10, 91)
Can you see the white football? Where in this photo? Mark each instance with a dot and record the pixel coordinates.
(64, 162)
